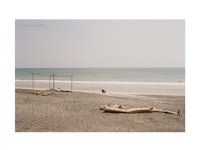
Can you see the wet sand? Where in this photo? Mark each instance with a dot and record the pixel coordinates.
(79, 112)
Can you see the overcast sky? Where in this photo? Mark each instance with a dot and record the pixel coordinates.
(99, 43)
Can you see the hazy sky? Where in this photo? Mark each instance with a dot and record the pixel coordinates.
(100, 43)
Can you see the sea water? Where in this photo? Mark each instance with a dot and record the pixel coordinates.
(130, 80)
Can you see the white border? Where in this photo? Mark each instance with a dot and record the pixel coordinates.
(93, 9)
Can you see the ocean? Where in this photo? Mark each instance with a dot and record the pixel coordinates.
(109, 74)
(130, 80)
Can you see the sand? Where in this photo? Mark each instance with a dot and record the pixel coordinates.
(79, 112)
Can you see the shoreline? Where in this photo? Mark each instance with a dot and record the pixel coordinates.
(110, 87)
(105, 82)
(108, 93)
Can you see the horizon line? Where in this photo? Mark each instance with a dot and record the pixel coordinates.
(92, 67)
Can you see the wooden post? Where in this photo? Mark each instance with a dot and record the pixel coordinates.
(66, 82)
(71, 83)
(49, 82)
(33, 80)
(53, 81)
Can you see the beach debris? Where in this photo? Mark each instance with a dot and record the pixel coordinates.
(179, 112)
(102, 107)
(103, 91)
(61, 90)
(43, 93)
(122, 109)
(36, 93)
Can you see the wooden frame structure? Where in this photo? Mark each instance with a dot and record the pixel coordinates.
(51, 76)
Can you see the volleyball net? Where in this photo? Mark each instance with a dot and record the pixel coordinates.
(52, 81)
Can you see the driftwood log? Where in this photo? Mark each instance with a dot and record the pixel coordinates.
(121, 109)
(102, 107)
(43, 93)
(61, 90)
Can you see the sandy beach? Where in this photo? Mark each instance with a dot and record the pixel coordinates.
(79, 112)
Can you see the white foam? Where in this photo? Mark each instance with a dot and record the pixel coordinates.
(109, 86)
(106, 82)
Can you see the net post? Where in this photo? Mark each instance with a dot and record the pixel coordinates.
(53, 80)
(33, 80)
(71, 83)
(49, 82)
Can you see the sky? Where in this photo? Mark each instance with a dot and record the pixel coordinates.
(99, 43)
